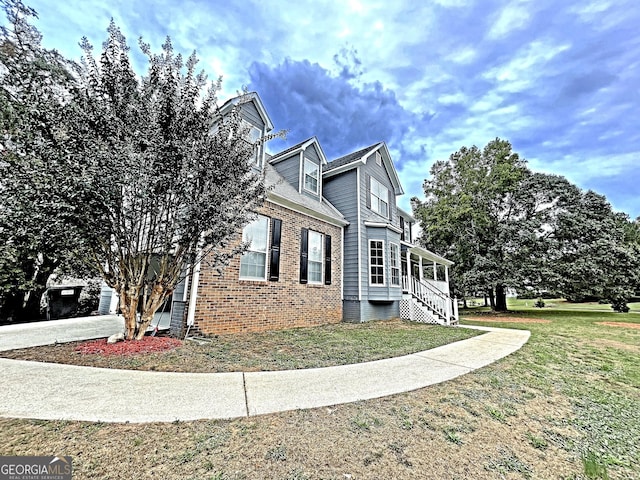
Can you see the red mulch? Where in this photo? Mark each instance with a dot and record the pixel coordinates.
(131, 347)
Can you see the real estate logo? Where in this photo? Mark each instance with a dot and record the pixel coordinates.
(35, 468)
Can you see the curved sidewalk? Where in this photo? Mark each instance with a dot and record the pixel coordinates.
(66, 392)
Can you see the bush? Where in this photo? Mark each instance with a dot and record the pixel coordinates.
(539, 303)
(620, 306)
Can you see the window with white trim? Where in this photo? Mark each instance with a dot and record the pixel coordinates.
(376, 262)
(311, 174)
(379, 198)
(254, 135)
(394, 251)
(253, 263)
(314, 262)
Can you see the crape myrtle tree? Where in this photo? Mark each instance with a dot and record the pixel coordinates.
(159, 179)
(36, 88)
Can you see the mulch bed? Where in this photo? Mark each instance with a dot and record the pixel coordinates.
(134, 347)
(507, 320)
(635, 326)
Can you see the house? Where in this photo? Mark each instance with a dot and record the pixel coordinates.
(385, 274)
(329, 245)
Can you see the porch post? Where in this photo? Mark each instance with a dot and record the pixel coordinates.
(446, 275)
(435, 271)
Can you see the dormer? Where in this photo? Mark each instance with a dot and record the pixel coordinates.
(256, 120)
(301, 165)
(377, 181)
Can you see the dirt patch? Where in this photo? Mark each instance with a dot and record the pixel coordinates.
(507, 320)
(635, 326)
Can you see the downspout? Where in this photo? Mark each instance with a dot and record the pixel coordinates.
(191, 313)
(359, 234)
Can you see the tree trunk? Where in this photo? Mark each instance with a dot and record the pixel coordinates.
(129, 299)
(156, 298)
(501, 298)
(492, 300)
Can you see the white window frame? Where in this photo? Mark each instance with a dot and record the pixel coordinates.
(251, 249)
(383, 265)
(255, 133)
(320, 238)
(394, 263)
(376, 189)
(316, 170)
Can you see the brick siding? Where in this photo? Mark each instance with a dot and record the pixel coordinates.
(226, 304)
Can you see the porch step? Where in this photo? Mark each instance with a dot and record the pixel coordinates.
(414, 310)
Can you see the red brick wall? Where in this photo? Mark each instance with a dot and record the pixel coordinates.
(226, 304)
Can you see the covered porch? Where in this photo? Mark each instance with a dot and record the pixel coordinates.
(425, 286)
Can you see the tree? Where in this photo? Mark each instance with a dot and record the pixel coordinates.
(35, 86)
(504, 225)
(158, 179)
(469, 213)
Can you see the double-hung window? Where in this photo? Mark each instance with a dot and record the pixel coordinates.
(376, 262)
(395, 264)
(379, 198)
(315, 257)
(253, 263)
(311, 174)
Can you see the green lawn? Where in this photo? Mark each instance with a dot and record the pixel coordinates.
(595, 367)
(564, 406)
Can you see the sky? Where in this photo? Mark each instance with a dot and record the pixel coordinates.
(559, 80)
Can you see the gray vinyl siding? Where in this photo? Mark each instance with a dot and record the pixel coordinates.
(250, 113)
(178, 307)
(366, 311)
(379, 172)
(351, 311)
(290, 170)
(379, 310)
(342, 194)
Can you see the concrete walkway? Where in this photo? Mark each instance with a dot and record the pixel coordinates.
(65, 392)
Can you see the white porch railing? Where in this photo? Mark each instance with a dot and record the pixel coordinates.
(440, 304)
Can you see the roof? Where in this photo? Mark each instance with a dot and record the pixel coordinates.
(296, 148)
(355, 159)
(283, 193)
(248, 97)
(347, 159)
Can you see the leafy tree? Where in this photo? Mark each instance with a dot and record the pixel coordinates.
(35, 87)
(505, 226)
(158, 179)
(469, 213)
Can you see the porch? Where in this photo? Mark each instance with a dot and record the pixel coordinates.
(425, 286)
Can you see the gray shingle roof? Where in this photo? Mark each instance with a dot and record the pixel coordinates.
(351, 157)
(278, 186)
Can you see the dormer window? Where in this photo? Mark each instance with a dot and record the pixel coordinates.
(254, 135)
(311, 175)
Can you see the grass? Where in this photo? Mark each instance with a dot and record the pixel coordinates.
(297, 348)
(565, 406)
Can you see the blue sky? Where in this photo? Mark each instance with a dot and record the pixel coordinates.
(559, 80)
